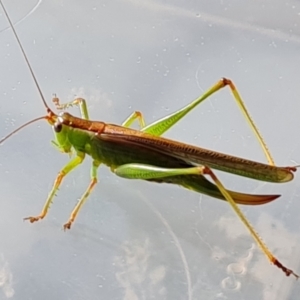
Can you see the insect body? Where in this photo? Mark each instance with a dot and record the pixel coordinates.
(144, 154)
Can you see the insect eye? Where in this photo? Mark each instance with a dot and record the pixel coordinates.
(57, 127)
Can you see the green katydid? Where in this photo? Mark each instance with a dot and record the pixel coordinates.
(144, 154)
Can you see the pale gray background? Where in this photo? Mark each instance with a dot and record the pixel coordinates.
(137, 240)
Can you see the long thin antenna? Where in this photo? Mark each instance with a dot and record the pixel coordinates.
(25, 56)
(19, 128)
(49, 111)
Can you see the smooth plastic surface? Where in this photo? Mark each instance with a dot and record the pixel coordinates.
(133, 239)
